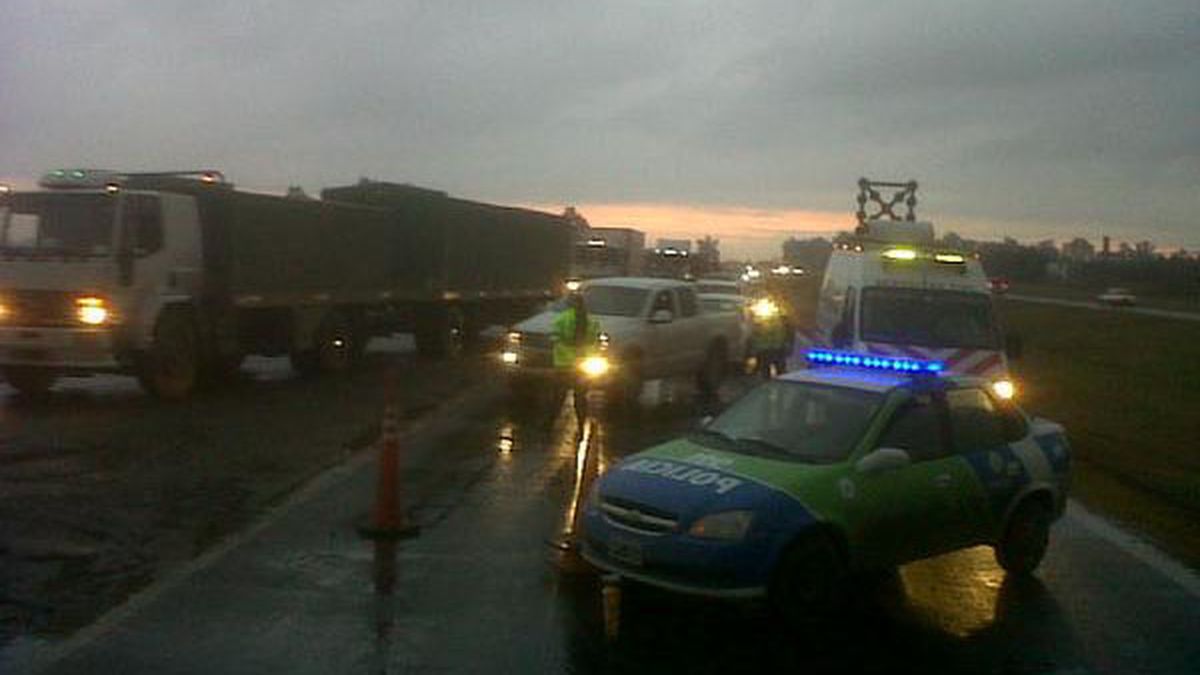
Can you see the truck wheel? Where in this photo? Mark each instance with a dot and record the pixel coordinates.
(170, 367)
(1023, 545)
(31, 381)
(808, 587)
(712, 373)
(440, 333)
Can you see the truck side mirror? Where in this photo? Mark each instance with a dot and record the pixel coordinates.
(1014, 346)
(662, 316)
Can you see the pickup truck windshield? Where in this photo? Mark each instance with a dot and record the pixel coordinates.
(796, 421)
(57, 224)
(929, 318)
(615, 300)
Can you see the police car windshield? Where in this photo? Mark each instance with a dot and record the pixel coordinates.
(798, 421)
(929, 318)
(62, 224)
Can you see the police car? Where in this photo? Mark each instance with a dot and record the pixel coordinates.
(864, 464)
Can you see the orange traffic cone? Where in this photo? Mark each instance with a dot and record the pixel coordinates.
(388, 519)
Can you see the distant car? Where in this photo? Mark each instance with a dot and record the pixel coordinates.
(1117, 297)
(999, 285)
(827, 471)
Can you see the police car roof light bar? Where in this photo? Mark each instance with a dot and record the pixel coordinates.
(898, 364)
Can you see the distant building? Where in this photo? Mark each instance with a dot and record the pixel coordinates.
(680, 246)
(1144, 249)
(1078, 250)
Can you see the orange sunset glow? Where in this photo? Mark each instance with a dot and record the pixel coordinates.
(744, 232)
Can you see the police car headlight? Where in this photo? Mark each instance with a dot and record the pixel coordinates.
(1004, 389)
(594, 366)
(725, 526)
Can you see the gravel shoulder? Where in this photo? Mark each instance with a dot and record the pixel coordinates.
(103, 489)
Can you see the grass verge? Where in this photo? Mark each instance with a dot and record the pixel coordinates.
(1127, 388)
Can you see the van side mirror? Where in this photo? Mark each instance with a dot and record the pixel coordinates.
(840, 336)
(125, 258)
(1014, 346)
(662, 316)
(883, 459)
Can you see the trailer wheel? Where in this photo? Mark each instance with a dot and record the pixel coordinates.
(334, 351)
(170, 368)
(31, 381)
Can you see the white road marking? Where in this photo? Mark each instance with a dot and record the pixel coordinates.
(1144, 552)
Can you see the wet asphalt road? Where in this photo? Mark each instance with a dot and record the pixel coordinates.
(483, 589)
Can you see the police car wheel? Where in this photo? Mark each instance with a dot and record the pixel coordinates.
(809, 583)
(1023, 545)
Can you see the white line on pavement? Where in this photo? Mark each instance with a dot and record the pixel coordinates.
(1151, 556)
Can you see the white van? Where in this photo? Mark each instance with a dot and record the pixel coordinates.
(894, 292)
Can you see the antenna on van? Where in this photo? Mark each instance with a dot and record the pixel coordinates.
(901, 194)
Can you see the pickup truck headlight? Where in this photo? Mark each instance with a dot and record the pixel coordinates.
(764, 308)
(91, 310)
(724, 526)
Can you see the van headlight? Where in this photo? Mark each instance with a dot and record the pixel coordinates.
(725, 526)
(1004, 389)
(594, 366)
(91, 310)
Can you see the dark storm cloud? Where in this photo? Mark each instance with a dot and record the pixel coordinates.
(1043, 115)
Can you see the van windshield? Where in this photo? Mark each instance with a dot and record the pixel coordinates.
(57, 224)
(928, 318)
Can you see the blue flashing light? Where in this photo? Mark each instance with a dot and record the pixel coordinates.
(898, 364)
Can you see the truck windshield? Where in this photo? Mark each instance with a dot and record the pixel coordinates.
(928, 318)
(795, 421)
(614, 300)
(57, 224)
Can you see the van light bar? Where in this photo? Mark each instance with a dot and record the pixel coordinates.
(900, 254)
(897, 364)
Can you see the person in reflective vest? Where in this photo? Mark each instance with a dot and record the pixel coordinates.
(770, 338)
(576, 334)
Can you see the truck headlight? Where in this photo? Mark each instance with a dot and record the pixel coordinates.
(725, 526)
(514, 337)
(509, 357)
(1004, 389)
(594, 366)
(91, 310)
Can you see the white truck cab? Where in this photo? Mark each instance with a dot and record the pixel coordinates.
(893, 291)
(87, 269)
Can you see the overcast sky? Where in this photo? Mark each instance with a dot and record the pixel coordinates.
(747, 120)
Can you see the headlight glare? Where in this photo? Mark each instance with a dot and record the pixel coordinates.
(594, 366)
(725, 526)
(1005, 389)
(91, 310)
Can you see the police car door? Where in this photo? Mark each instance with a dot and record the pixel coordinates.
(904, 512)
(981, 431)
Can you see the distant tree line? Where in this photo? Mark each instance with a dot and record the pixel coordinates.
(1075, 263)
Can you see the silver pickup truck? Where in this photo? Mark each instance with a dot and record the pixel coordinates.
(654, 328)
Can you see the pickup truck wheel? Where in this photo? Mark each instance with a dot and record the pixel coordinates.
(622, 394)
(712, 373)
(1023, 545)
(31, 381)
(808, 587)
(171, 367)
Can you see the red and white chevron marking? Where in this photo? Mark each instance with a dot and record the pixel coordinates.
(981, 362)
